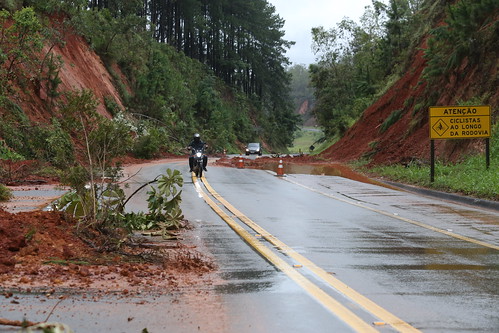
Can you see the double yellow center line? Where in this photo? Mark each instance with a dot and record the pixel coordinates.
(350, 318)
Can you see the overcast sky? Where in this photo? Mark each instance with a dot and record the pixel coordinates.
(302, 15)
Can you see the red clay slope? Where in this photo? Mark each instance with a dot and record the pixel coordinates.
(408, 138)
(365, 136)
(82, 69)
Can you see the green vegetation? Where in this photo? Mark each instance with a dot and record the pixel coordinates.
(164, 207)
(97, 201)
(470, 33)
(105, 202)
(8, 154)
(469, 177)
(358, 62)
(192, 71)
(391, 119)
(5, 193)
(304, 138)
(207, 68)
(349, 72)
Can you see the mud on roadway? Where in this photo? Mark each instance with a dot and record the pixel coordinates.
(301, 163)
(41, 252)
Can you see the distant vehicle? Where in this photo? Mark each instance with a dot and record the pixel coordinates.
(254, 148)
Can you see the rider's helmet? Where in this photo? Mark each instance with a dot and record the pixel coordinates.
(197, 137)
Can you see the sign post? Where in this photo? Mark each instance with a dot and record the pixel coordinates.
(432, 161)
(459, 122)
(487, 153)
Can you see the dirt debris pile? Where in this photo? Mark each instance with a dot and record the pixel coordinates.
(41, 250)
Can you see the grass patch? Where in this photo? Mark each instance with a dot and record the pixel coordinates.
(304, 138)
(469, 177)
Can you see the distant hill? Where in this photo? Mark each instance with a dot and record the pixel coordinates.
(302, 94)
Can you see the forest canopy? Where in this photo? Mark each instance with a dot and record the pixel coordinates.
(217, 67)
(358, 62)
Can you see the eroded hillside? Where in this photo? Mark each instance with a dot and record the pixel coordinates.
(394, 129)
(82, 69)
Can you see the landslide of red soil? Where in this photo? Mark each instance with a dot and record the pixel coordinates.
(40, 250)
(389, 147)
(408, 139)
(259, 163)
(82, 70)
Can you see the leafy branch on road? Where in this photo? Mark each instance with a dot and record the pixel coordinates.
(97, 201)
(164, 213)
(164, 207)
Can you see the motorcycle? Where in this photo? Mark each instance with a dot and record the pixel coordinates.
(198, 165)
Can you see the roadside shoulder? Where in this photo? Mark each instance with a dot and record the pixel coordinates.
(487, 204)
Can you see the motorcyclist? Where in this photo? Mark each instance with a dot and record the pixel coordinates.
(197, 143)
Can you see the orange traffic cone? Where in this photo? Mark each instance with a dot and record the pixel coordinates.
(240, 163)
(280, 170)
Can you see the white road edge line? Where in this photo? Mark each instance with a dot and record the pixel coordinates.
(420, 224)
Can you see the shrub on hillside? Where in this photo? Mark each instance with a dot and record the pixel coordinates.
(5, 193)
(146, 146)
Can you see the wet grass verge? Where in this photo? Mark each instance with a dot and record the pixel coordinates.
(470, 177)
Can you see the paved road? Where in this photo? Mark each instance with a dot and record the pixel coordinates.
(319, 254)
(432, 264)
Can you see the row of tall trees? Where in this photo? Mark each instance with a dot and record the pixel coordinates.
(241, 41)
(238, 42)
(355, 60)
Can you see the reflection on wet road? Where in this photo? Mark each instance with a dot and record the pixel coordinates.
(431, 263)
(435, 274)
(305, 169)
(330, 303)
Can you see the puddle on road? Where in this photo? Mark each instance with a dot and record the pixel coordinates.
(302, 167)
(232, 288)
(246, 282)
(323, 170)
(338, 170)
(483, 216)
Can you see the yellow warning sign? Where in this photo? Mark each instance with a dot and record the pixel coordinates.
(459, 122)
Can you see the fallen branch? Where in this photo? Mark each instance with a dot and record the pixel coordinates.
(137, 190)
(17, 323)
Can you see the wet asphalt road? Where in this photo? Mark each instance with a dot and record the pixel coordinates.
(431, 263)
(404, 252)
